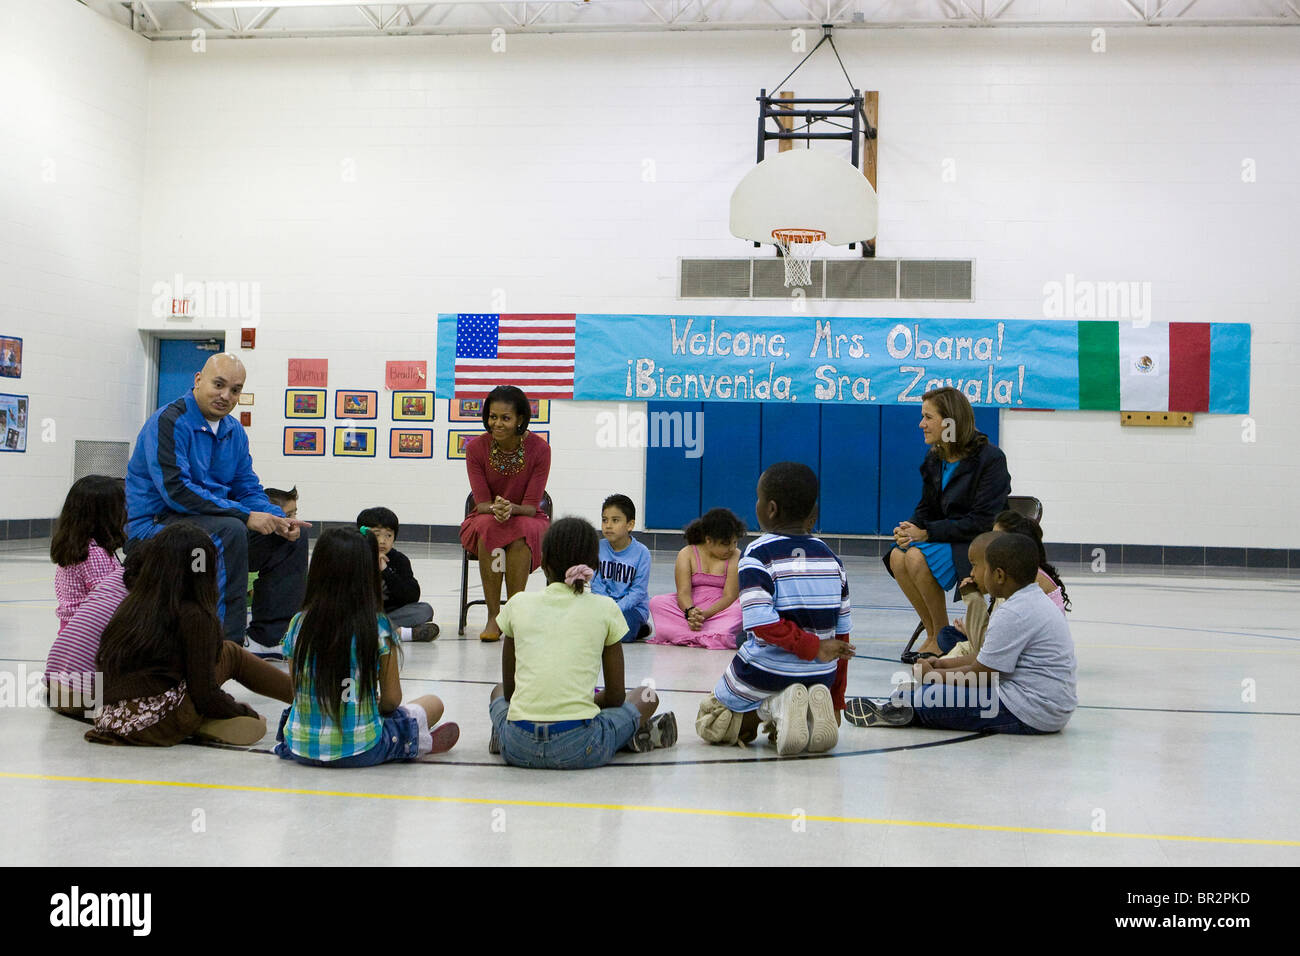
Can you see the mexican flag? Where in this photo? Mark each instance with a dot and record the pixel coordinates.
(1165, 367)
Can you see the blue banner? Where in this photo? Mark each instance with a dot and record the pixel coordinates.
(707, 358)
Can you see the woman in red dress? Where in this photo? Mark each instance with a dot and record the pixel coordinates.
(508, 468)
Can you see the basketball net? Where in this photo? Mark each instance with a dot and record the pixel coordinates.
(797, 247)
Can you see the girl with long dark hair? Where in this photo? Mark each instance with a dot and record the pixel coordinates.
(343, 656)
(90, 529)
(164, 657)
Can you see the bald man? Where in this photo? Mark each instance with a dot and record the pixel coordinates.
(191, 463)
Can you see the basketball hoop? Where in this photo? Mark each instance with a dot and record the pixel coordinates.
(797, 247)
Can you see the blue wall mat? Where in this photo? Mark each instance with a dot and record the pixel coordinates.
(850, 469)
(901, 451)
(790, 433)
(731, 454)
(672, 481)
(178, 360)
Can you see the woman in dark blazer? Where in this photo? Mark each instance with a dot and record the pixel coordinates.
(964, 485)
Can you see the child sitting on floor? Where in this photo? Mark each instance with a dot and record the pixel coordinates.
(90, 530)
(793, 666)
(164, 655)
(964, 637)
(411, 618)
(704, 612)
(1023, 679)
(556, 642)
(624, 572)
(70, 683)
(347, 706)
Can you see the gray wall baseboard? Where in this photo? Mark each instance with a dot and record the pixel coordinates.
(1117, 556)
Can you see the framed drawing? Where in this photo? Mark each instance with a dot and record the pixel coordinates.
(465, 409)
(304, 403)
(412, 406)
(354, 442)
(410, 443)
(304, 441)
(456, 442)
(356, 404)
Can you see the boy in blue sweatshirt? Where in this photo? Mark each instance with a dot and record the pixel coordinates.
(624, 572)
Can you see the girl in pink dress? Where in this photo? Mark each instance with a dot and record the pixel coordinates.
(705, 611)
(508, 468)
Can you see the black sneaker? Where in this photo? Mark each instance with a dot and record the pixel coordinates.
(424, 633)
(660, 731)
(865, 712)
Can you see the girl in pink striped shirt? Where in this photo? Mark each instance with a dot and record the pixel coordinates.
(88, 585)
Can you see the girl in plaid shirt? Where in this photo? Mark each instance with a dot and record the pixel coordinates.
(343, 654)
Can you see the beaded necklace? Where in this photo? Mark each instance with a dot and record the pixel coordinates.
(507, 463)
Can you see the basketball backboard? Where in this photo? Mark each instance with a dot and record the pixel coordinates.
(804, 188)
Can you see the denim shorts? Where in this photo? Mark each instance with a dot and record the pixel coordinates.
(578, 749)
(399, 739)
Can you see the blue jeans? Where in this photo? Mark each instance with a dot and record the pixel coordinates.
(966, 717)
(398, 740)
(948, 638)
(581, 748)
(636, 618)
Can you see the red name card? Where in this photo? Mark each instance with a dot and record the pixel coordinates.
(308, 373)
(405, 375)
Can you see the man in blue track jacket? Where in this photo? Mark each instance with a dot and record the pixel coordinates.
(191, 463)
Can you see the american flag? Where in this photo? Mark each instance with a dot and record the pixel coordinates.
(534, 352)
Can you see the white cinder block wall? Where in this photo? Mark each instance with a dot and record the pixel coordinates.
(367, 185)
(73, 99)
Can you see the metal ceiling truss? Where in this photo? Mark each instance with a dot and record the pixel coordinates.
(177, 19)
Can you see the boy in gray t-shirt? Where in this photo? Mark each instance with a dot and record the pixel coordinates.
(1023, 680)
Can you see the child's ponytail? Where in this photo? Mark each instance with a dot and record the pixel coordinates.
(570, 550)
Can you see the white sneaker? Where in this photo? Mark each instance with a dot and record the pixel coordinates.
(788, 714)
(272, 653)
(823, 733)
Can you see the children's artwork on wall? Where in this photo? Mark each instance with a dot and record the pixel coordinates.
(354, 442)
(471, 409)
(304, 441)
(465, 409)
(11, 357)
(405, 374)
(456, 442)
(356, 404)
(412, 406)
(410, 443)
(13, 422)
(304, 403)
(308, 373)
(543, 435)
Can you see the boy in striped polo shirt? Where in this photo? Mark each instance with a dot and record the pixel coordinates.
(790, 672)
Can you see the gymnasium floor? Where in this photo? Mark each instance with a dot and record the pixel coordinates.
(1163, 757)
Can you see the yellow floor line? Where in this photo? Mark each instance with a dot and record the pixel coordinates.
(632, 808)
